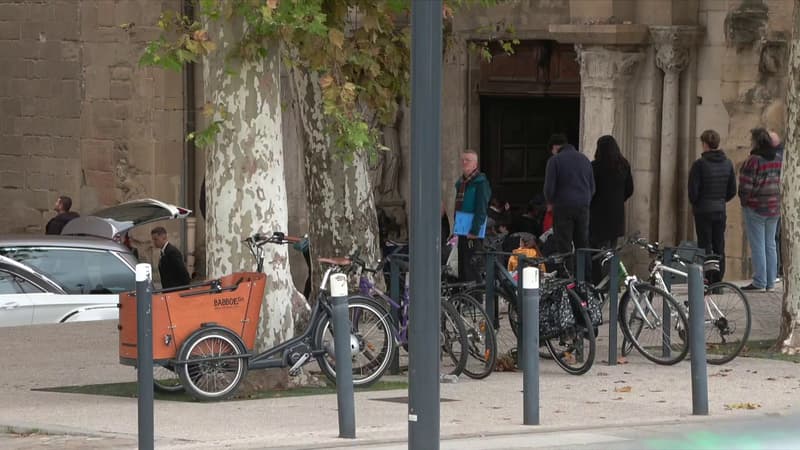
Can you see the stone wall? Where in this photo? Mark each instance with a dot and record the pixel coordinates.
(78, 116)
(751, 47)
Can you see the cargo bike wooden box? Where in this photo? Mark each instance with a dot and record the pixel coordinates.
(215, 321)
(206, 333)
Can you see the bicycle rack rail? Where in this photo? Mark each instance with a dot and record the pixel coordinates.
(613, 294)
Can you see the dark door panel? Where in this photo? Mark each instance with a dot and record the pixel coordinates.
(514, 135)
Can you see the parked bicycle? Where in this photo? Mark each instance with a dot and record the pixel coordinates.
(727, 318)
(206, 332)
(452, 332)
(572, 342)
(651, 320)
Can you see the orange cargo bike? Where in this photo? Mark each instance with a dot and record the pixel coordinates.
(204, 334)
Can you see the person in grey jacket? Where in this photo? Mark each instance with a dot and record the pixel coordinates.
(568, 189)
(712, 184)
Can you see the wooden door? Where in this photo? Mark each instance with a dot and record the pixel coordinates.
(514, 135)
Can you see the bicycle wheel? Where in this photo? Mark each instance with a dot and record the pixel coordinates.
(371, 341)
(506, 337)
(453, 341)
(575, 348)
(627, 346)
(214, 366)
(727, 322)
(165, 379)
(481, 338)
(654, 323)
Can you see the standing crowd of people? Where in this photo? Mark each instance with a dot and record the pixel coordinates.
(583, 203)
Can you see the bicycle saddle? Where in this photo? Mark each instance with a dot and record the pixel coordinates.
(341, 261)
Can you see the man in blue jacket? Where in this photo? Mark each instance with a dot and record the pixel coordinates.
(472, 197)
(568, 188)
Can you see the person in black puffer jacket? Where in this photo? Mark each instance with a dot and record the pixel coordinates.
(712, 183)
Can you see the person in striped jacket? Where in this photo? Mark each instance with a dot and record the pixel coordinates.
(760, 195)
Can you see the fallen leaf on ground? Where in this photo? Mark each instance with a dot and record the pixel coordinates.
(744, 405)
(623, 389)
(626, 373)
(770, 379)
(590, 402)
(602, 374)
(719, 374)
(619, 381)
(618, 398)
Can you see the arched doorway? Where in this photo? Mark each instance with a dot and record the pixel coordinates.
(525, 98)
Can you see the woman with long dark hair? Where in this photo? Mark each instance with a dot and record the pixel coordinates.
(613, 186)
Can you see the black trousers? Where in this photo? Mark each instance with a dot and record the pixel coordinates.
(467, 268)
(710, 229)
(571, 226)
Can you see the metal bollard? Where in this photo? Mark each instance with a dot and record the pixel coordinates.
(344, 357)
(490, 298)
(530, 333)
(666, 324)
(144, 351)
(697, 342)
(613, 309)
(522, 263)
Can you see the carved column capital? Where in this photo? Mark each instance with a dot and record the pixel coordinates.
(606, 64)
(673, 44)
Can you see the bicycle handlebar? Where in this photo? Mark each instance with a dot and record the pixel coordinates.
(278, 237)
(655, 249)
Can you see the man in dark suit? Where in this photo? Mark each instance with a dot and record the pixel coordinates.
(171, 267)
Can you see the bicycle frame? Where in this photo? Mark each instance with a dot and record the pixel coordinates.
(367, 288)
(656, 275)
(268, 359)
(630, 288)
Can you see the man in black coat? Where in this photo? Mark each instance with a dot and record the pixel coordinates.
(712, 183)
(171, 266)
(568, 187)
(64, 215)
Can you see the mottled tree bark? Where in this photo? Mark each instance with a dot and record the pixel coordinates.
(789, 337)
(342, 215)
(246, 189)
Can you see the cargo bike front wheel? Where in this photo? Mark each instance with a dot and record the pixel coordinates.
(211, 364)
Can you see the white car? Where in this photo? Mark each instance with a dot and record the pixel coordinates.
(78, 275)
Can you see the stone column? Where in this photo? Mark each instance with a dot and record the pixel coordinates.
(672, 44)
(606, 95)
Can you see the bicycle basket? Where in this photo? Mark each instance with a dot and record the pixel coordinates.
(555, 313)
(592, 302)
(711, 269)
(687, 250)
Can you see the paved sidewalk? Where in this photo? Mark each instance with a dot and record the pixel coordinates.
(576, 411)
